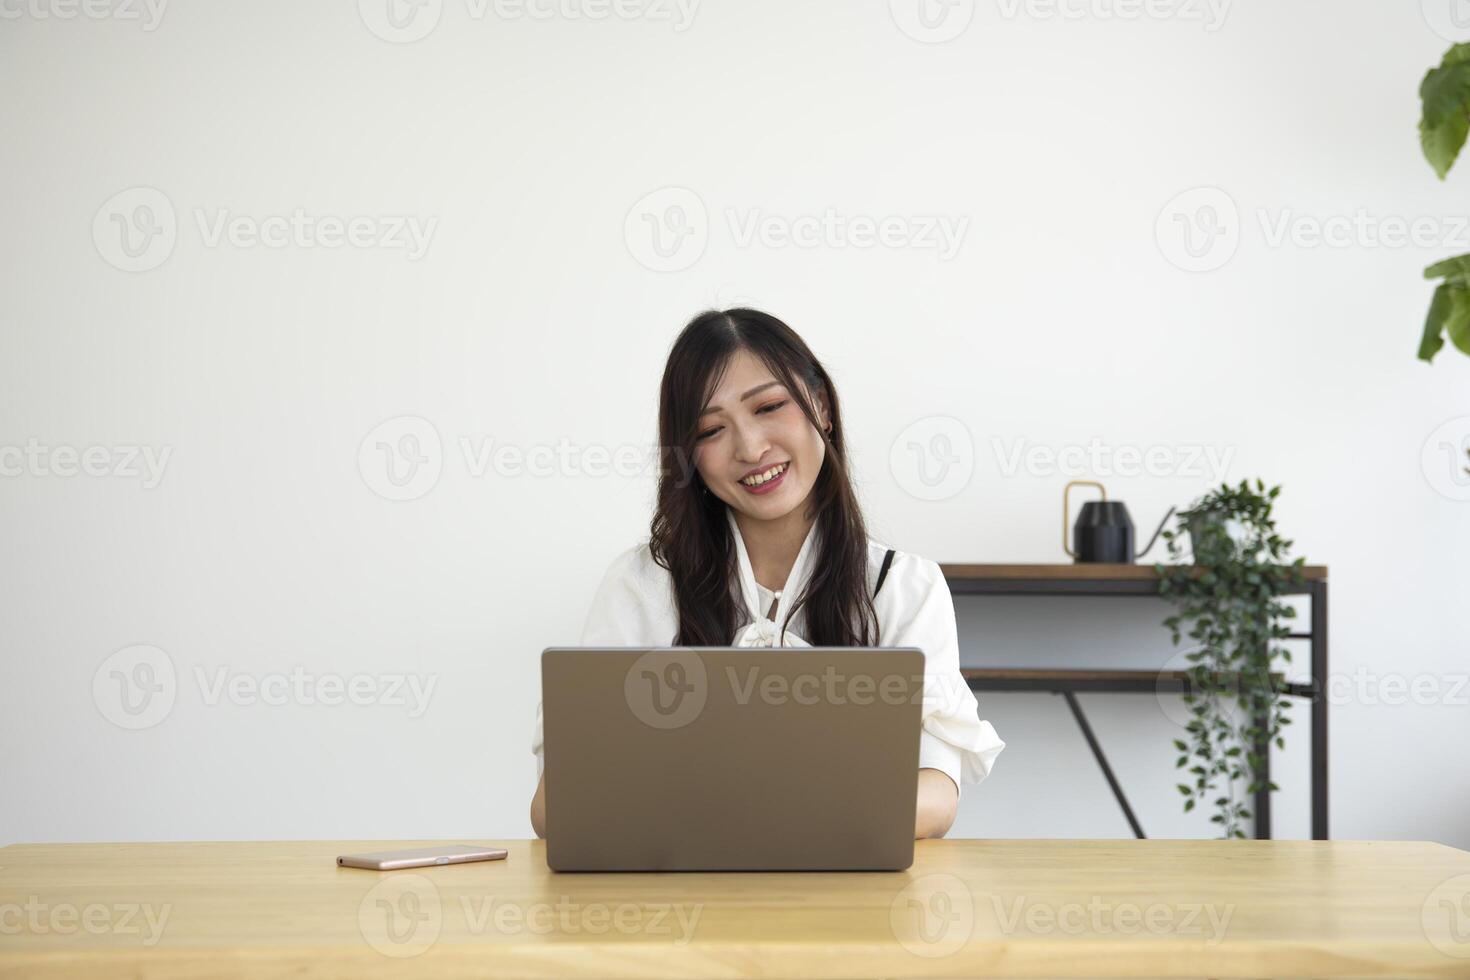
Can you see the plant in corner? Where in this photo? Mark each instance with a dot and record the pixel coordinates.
(1229, 602)
(1443, 126)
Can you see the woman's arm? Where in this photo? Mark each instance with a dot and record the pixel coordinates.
(538, 808)
(939, 798)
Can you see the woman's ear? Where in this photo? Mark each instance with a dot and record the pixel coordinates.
(824, 410)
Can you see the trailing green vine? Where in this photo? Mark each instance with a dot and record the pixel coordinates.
(1229, 602)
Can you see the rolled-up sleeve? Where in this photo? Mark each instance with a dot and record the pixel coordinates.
(954, 738)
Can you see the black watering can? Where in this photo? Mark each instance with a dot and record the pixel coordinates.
(1104, 531)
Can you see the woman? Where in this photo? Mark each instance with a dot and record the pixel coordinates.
(764, 543)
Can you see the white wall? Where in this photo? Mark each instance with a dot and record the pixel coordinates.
(531, 321)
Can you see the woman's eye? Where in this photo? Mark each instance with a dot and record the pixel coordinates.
(764, 408)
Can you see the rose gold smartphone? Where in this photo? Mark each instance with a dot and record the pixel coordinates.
(420, 857)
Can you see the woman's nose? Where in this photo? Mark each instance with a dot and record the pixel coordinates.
(750, 442)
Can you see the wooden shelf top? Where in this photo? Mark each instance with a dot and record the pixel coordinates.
(1074, 572)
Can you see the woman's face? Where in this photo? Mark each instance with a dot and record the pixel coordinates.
(752, 425)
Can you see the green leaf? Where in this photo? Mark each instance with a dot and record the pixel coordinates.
(1457, 326)
(1439, 311)
(1445, 93)
(1449, 313)
(1455, 268)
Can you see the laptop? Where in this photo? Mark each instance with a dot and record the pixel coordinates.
(731, 758)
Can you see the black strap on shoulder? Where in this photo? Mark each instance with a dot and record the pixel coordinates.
(883, 572)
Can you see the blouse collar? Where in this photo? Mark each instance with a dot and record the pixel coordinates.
(761, 630)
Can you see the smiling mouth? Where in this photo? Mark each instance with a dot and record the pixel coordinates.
(761, 479)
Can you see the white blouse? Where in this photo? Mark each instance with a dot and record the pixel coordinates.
(634, 606)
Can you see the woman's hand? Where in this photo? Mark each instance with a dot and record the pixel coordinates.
(939, 798)
(538, 808)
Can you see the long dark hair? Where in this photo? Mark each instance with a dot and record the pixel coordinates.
(690, 533)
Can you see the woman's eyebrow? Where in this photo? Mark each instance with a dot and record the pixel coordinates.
(756, 390)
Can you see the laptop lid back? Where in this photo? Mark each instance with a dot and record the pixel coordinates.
(719, 758)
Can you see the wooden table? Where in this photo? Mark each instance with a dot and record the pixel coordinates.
(967, 908)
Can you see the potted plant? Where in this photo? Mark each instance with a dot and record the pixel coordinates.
(1228, 602)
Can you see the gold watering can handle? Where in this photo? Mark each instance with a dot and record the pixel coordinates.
(1067, 509)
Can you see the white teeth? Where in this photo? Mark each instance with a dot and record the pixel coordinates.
(768, 475)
